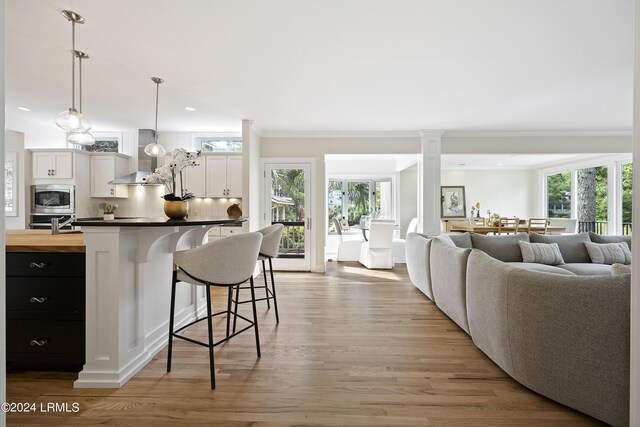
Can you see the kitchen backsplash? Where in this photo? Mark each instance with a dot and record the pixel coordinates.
(146, 201)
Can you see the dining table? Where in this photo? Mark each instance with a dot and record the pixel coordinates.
(486, 229)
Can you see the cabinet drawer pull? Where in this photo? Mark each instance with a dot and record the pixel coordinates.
(38, 300)
(37, 264)
(38, 343)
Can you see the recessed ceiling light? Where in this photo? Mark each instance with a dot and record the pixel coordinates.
(189, 108)
(499, 164)
(21, 108)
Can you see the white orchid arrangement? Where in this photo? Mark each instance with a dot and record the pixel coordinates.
(177, 161)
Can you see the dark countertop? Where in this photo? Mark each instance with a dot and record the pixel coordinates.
(157, 222)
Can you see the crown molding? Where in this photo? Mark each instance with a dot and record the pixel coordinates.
(503, 134)
(340, 134)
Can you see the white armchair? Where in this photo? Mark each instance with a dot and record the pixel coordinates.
(378, 251)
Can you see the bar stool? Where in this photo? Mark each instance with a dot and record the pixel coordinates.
(226, 262)
(271, 237)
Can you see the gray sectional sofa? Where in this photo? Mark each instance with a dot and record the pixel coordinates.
(560, 330)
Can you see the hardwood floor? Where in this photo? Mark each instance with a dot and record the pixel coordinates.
(353, 347)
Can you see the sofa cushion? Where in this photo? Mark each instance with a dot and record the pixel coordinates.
(609, 253)
(461, 240)
(541, 253)
(541, 267)
(620, 269)
(571, 245)
(503, 248)
(599, 238)
(587, 269)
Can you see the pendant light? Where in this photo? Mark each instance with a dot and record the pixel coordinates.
(77, 137)
(154, 149)
(71, 119)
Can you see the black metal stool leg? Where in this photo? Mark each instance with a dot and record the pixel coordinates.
(171, 311)
(229, 293)
(273, 289)
(266, 286)
(210, 324)
(255, 316)
(235, 310)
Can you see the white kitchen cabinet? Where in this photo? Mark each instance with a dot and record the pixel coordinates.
(52, 164)
(104, 168)
(224, 176)
(219, 232)
(195, 179)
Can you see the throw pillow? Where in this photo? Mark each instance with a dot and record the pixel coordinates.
(608, 253)
(620, 269)
(541, 253)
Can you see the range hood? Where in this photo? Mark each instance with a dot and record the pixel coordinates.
(146, 163)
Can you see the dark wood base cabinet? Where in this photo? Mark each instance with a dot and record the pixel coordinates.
(45, 311)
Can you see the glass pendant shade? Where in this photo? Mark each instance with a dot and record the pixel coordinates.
(155, 150)
(72, 120)
(81, 138)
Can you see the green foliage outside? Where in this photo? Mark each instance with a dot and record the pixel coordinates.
(358, 193)
(290, 183)
(559, 195)
(627, 185)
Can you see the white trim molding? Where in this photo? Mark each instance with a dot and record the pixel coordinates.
(340, 134)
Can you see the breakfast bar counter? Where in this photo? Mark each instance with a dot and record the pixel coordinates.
(129, 265)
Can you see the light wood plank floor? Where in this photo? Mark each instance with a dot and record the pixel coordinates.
(353, 347)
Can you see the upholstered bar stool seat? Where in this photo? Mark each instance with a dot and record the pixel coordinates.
(227, 262)
(269, 249)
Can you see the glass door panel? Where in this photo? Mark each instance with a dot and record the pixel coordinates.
(288, 204)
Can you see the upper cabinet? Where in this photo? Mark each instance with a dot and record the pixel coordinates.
(223, 176)
(104, 168)
(195, 178)
(52, 164)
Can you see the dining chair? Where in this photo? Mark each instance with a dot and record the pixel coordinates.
(378, 251)
(538, 225)
(226, 262)
(508, 225)
(348, 250)
(269, 249)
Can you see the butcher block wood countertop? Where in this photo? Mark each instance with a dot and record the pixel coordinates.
(43, 241)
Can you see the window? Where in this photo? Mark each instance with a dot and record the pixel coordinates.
(104, 144)
(350, 200)
(559, 195)
(218, 144)
(627, 185)
(583, 193)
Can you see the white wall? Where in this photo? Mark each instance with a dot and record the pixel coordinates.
(14, 143)
(360, 166)
(251, 147)
(507, 192)
(37, 135)
(575, 143)
(408, 197)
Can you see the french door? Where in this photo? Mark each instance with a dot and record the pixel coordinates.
(288, 202)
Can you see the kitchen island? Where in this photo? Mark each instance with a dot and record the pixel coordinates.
(129, 264)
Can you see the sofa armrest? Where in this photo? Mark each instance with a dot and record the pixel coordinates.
(448, 280)
(417, 251)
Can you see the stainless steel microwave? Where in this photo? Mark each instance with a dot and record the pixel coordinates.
(53, 199)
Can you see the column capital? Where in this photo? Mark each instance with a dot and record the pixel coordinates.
(431, 133)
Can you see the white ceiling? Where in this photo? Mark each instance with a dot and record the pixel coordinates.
(333, 65)
(508, 161)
